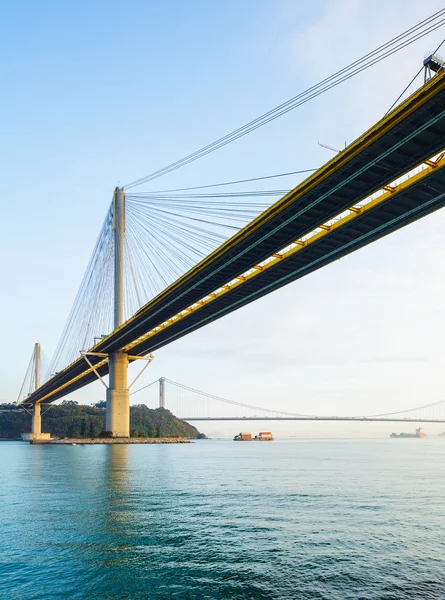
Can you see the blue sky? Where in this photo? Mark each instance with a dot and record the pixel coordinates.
(101, 93)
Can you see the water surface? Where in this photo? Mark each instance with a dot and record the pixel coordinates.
(291, 519)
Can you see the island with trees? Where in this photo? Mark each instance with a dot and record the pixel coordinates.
(72, 420)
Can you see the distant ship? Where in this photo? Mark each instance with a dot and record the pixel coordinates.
(419, 434)
(263, 436)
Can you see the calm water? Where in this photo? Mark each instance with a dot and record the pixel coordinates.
(293, 519)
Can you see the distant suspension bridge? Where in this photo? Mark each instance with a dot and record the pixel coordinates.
(195, 405)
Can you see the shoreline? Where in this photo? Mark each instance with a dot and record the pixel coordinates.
(91, 441)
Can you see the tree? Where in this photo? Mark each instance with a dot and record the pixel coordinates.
(105, 434)
(92, 430)
(101, 404)
(83, 428)
(70, 430)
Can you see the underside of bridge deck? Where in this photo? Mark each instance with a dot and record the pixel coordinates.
(407, 137)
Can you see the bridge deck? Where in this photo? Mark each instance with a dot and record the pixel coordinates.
(353, 419)
(406, 137)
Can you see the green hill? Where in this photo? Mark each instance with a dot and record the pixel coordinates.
(70, 419)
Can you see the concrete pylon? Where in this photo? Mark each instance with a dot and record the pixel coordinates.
(118, 394)
(37, 366)
(36, 427)
(36, 417)
(162, 392)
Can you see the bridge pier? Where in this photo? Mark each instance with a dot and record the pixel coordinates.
(36, 429)
(36, 420)
(118, 396)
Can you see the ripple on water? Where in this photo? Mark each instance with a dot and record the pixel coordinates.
(296, 520)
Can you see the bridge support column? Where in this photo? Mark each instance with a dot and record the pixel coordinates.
(36, 429)
(118, 397)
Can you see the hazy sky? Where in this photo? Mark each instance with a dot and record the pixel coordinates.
(97, 93)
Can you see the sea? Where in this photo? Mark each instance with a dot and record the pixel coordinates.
(289, 519)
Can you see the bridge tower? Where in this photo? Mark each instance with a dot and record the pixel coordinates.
(36, 429)
(162, 392)
(118, 394)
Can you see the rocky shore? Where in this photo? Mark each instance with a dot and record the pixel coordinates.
(165, 440)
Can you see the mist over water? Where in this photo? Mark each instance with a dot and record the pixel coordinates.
(291, 519)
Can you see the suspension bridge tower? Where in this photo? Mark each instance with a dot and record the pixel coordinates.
(118, 394)
(162, 392)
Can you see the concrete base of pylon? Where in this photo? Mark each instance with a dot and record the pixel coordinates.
(31, 437)
(118, 412)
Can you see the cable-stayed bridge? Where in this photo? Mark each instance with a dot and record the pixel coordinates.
(168, 262)
(195, 405)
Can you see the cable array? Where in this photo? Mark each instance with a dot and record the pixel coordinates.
(92, 311)
(166, 235)
(29, 381)
(394, 45)
(213, 185)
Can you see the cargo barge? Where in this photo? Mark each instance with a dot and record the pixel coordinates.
(263, 436)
